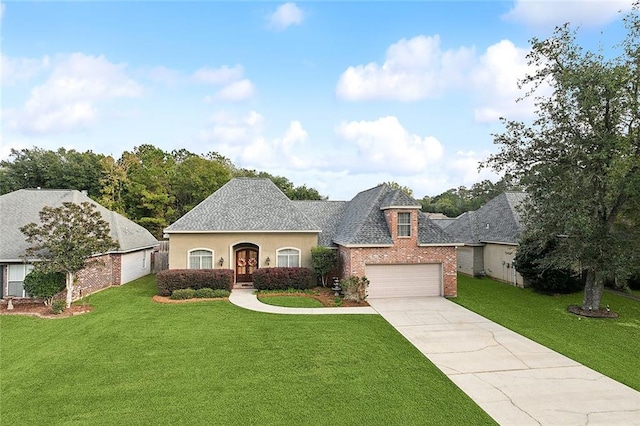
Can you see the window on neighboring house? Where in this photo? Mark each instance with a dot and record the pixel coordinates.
(144, 259)
(201, 259)
(404, 224)
(16, 279)
(288, 258)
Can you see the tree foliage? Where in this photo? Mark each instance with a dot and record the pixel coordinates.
(531, 262)
(148, 185)
(61, 169)
(66, 239)
(44, 285)
(456, 201)
(323, 261)
(580, 158)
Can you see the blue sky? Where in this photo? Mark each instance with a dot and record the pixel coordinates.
(340, 96)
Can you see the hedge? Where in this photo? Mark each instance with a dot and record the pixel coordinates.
(282, 278)
(176, 279)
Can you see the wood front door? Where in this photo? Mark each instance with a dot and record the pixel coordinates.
(246, 263)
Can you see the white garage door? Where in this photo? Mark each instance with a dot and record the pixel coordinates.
(404, 280)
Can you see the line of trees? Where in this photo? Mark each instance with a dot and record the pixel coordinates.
(148, 185)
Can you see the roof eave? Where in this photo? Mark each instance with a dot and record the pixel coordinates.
(441, 245)
(401, 207)
(364, 245)
(306, 231)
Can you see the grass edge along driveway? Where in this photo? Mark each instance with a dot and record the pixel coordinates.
(132, 361)
(609, 346)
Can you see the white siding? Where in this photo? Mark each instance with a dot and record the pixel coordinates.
(135, 265)
(408, 280)
(465, 260)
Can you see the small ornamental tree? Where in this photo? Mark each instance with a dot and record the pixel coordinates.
(66, 239)
(323, 261)
(44, 285)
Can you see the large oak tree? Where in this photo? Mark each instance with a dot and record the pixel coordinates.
(579, 160)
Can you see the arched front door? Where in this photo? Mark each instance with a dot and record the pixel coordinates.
(246, 263)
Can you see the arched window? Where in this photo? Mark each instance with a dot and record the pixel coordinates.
(201, 259)
(288, 257)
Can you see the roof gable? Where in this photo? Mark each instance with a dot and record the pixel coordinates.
(363, 222)
(21, 207)
(499, 220)
(245, 205)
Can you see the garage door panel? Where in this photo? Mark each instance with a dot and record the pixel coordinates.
(406, 280)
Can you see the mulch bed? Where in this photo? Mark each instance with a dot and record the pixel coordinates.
(323, 295)
(591, 313)
(42, 311)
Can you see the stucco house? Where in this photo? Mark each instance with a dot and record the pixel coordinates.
(381, 234)
(490, 237)
(132, 260)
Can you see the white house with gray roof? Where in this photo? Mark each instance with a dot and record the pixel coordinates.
(381, 233)
(490, 236)
(132, 260)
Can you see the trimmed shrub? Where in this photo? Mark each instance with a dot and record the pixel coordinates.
(209, 293)
(176, 279)
(183, 293)
(58, 306)
(44, 285)
(355, 288)
(282, 278)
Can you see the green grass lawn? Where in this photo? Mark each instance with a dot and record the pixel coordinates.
(610, 346)
(132, 361)
(291, 301)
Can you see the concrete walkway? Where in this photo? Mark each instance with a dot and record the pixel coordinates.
(515, 380)
(245, 298)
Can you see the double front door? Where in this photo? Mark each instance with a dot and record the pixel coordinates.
(246, 263)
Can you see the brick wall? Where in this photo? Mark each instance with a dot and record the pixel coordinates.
(404, 251)
(99, 275)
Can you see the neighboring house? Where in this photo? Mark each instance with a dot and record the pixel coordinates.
(132, 260)
(490, 237)
(381, 234)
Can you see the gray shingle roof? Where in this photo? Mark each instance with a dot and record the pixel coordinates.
(326, 215)
(21, 207)
(363, 222)
(245, 205)
(398, 198)
(497, 221)
(250, 204)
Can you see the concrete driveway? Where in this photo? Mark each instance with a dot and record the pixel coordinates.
(515, 380)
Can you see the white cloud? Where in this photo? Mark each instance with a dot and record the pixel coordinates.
(384, 145)
(67, 100)
(219, 76)
(495, 79)
(17, 70)
(234, 92)
(413, 69)
(1, 11)
(286, 14)
(235, 87)
(243, 139)
(549, 13)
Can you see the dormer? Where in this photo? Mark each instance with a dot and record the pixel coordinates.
(401, 213)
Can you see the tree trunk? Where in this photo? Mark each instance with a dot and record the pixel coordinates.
(592, 291)
(69, 285)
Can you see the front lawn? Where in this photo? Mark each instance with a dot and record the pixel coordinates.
(134, 361)
(291, 301)
(610, 346)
